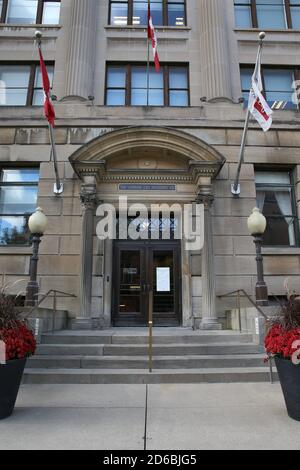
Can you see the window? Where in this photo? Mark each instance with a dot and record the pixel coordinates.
(275, 198)
(30, 11)
(21, 85)
(127, 85)
(135, 12)
(272, 14)
(18, 198)
(278, 86)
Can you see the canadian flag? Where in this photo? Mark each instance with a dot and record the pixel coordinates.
(48, 105)
(153, 38)
(258, 106)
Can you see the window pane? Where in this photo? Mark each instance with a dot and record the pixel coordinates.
(156, 79)
(179, 98)
(280, 231)
(272, 177)
(38, 98)
(38, 94)
(275, 199)
(278, 80)
(140, 13)
(138, 77)
(138, 97)
(139, 87)
(116, 77)
(119, 13)
(22, 11)
(14, 76)
(243, 17)
(18, 199)
(271, 14)
(295, 12)
(13, 97)
(178, 78)
(115, 98)
(279, 86)
(14, 175)
(14, 230)
(176, 14)
(156, 98)
(51, 13)
(157, 12)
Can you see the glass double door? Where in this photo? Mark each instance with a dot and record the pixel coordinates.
(142, 267)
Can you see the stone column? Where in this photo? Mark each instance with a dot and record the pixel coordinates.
(81, 53)
(214, 50)
(209, 313)
(88, 198)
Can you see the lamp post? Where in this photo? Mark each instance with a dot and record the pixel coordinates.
(257, 225)
(37, 225)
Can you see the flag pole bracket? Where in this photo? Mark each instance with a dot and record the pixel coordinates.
(57, 191)
(236, 189)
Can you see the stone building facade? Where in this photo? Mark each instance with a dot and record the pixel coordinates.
(189, 152)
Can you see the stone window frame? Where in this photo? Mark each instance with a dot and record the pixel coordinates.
(165, 21)
(292, 186)
(19, 184)
(164, 67)
(254, 17)
(294, 69)
(34, 66)
(39, 11)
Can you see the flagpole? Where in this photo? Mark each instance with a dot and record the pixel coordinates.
(148, 56)
(235, 187)
(58, 187)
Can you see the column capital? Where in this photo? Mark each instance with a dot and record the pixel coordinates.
(206, 199)
(88, 197)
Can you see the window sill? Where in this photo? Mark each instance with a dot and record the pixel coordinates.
(281, 251)
(144, 27)
(272, 30)
(15, 250)
(28, 26)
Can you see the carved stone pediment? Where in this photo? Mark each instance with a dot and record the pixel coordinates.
(147, 154)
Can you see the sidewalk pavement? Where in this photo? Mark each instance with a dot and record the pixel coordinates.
(179, 417)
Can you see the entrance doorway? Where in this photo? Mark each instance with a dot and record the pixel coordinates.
(138, 268)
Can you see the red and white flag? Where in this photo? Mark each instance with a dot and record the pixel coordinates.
(153, 38)
(48, 105)
(258, 106)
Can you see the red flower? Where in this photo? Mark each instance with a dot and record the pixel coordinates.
(280, 341)
(19, 341)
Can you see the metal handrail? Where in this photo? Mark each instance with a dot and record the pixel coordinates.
(267, 319)
(238, 291)
(48, 295)
(45, 296)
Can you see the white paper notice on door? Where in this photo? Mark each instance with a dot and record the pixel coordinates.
(163, 279)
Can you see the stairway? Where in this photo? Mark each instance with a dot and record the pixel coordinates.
(119, 356)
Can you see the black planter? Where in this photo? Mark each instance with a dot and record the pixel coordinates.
(289, 376)
(10, 380)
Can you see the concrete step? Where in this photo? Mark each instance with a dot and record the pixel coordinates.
(129, 376)
(142, 350)
(190, 337)
(142, 362)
